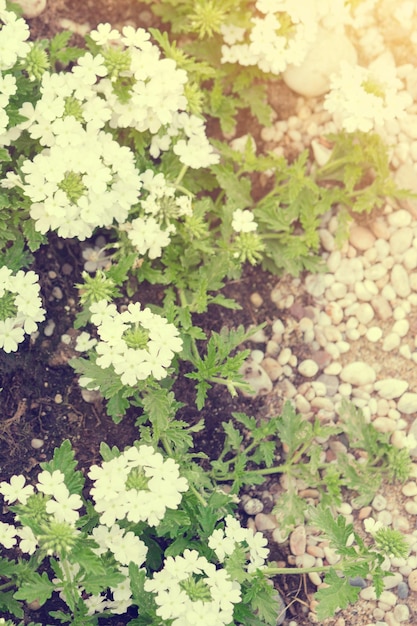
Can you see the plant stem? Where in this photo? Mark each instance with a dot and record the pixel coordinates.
(181, 175)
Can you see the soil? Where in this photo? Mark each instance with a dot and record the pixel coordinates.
(40, 398)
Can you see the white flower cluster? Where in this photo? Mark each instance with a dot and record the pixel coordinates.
(189, 590)
(85, 180)
(282, 36)
(224, 542)
(14, 33)
(139, 485)
(20, 307)
(61, 506)
(156, 100)
(364, 99)
(136, 343)
(152, 231)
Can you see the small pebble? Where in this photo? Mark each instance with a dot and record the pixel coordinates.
(37, 443)
(402, 590)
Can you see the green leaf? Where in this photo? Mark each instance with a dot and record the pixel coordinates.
(34, 238)
(143, 599)
(64, 460)
(338, 595)
(96, 583)
(10, 604)
(293, 429)
(39, 588)
(234, 437)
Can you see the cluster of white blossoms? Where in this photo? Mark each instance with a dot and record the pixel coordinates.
(61, 507)
(84, 181)
(161, 208)
(225, 541)
(189, 590)
(139, 485)
(14, 33)
(282, 36)
(20, 307)
(136, 343)
(365, 98)
(154, 100)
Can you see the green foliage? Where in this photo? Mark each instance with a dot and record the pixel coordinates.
(64, 460)
(359, 166)
(217, 365)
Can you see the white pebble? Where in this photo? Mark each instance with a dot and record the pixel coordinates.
(373, 334)
(358, 373)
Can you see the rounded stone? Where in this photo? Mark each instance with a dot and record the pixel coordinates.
(308, 368)
(391, 342)
(298, 541)
(373, 334)
(32, 8)
(379, 503)
(401, 613)
(400, 281)
(358, 373)
(402, 590)
(390, 388)
(311, 77)
(361, 238)
(400, 240)
(412, 580)
(407, 403)
(253, 506)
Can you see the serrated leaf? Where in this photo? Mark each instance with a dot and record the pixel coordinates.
(10, 604)
(141, 598)
(39, 588)
(293, 429)
(64, 460)
(338, 595)
(234, 438)
(96, 583)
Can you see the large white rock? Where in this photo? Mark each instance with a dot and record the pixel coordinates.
(311, 78)
(390, 388)
(358, 373)
(407, 403)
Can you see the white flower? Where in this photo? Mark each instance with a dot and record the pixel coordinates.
(179, 574)
(139, 485)
(50, 482)
(85, 342)
(104, 34)
(28, 542)
(64, 506)
(372, 526)
(7, 535)
(14, 33)
(148, 237)
(365, 98)
(16, 490)
(224, 542)
(243, 221)
(10, 335)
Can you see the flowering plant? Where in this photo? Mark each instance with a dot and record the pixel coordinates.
(110, 139)
(155, 535)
